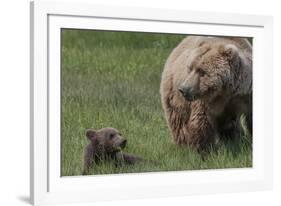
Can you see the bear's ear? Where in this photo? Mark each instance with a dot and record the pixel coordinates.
(230, 51)
(91, 134)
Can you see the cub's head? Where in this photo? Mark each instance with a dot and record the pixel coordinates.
(209, 70)
(106, 140)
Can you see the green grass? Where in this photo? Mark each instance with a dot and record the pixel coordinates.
(111, 79)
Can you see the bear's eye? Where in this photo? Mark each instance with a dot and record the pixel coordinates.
(111, 136)
(201, 72)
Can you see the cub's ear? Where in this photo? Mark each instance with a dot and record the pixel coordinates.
(91, 134)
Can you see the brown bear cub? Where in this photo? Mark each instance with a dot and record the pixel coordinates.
(106, 144)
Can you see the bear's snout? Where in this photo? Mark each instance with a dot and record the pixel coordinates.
(123, 143)
(188, 92)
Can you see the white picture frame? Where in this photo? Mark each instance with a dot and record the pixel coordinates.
(47, 186)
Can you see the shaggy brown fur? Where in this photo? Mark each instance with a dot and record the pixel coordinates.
(106, 144)
(206, 85)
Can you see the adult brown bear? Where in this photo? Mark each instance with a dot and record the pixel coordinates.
(206, 85)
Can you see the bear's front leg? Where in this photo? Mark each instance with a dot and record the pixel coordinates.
(200, 128)
(229, 127)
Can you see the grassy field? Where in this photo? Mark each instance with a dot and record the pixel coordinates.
(112, 79)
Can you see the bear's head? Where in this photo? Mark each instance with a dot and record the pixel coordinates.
(209, 71)
(106, 140)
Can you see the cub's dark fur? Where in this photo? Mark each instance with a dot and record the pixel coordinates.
(106, 144)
